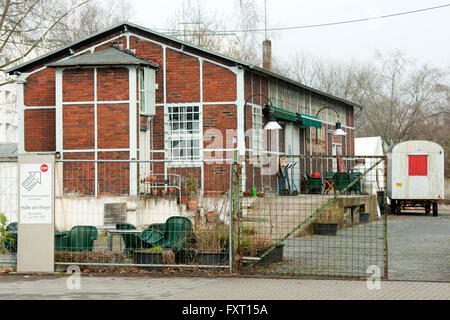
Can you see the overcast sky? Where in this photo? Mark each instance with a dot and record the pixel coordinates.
(423, 36)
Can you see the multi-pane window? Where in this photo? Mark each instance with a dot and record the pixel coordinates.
(257, 131)
(183, 136)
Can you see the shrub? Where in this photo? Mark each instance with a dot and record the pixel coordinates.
(6, 241)
(250, 244)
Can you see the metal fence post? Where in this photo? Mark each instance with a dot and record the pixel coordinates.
(386, 212)
(236, 177)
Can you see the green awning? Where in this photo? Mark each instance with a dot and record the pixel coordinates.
(297, 117)
(309, 121)
(283, 114)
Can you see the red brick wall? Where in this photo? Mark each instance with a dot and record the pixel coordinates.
(39, 131)
(216, 177)
(39, 124)
(39, 90)
(78, 85)
(113, 177)
(113, 126)
(112, 84)
(183, 77)
(118, 41)
(78, 127)
(223, 119)
(219, 84)
(79, 177)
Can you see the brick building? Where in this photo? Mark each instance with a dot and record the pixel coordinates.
(128, 93)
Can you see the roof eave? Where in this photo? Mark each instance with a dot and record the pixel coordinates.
(298, 84)
(123, 26)
(80, 65)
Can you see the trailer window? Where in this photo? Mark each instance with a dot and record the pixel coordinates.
(418, 165)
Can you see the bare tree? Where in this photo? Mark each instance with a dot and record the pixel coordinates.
(401, 101)
(33, 27)
(248, 43)
(192, 23)
(26, 25)
(91, 18)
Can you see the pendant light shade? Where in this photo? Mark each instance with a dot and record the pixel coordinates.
(272, 124)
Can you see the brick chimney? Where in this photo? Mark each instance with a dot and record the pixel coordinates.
(267, 55)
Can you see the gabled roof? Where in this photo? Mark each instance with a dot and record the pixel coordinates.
(128, 26)
(109, 56)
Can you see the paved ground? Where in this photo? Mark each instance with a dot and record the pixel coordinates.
(348, 254)
(13, 287)
(419, 247)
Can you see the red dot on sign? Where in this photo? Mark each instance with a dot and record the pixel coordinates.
(44, 168)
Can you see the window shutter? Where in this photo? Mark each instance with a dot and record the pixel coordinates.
(149, 91)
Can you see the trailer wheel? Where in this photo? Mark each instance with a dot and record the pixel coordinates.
(393, 207)
(427, 208)
(398, 207)
(435, 209)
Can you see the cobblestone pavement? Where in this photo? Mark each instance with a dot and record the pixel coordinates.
(419, 247)
(20, 287)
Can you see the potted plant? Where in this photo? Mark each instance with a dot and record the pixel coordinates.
(364, 217)
(7, 256)
(211, 217)
(212, 244)
(192, 190)
(255, 245)
(148, 256)
(329, 218)
(247, 193)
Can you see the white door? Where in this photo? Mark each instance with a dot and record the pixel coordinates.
(292, 147)
(418, 182)
(144, 167)
(336, 149)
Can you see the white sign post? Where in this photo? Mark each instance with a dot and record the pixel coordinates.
(36, 193)
(35, 250)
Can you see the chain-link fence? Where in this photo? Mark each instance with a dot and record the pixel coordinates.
(314, 215)
(147, 214)
(293, 215)
(8, 213)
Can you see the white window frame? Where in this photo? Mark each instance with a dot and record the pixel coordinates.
(182, 133)
(147, 90)
(257, 134)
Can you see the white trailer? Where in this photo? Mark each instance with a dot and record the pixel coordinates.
(371, 146)
(415, 176)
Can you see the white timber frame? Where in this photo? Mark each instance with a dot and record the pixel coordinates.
(239, 103)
